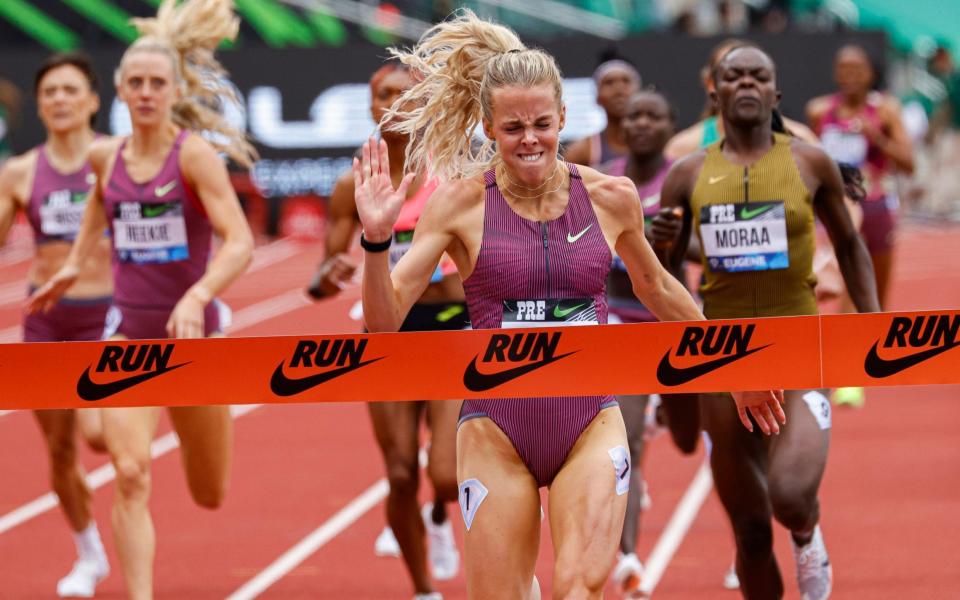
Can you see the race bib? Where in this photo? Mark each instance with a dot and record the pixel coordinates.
(61, 213)
(845, 146)
(548, 313)
(745, 237)
(150, 233)
(402, 241)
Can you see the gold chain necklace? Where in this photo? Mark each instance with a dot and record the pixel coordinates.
(535, 196)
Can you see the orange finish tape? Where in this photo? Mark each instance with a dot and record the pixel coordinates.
(784, 352)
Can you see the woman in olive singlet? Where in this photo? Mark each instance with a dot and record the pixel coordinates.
(710, 127)
(751, 198)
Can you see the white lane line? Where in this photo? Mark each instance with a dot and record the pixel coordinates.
(269, 308)
(99, 477)
(293, 557)
(680, 521)
(272, 253)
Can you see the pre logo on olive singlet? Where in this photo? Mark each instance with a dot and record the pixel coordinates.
(346, 354)
(61, 213)
(745, 237)
(935, 333)
(145, 233)
(548, 313)
(538, 347)
(147, 361)
(730, 342)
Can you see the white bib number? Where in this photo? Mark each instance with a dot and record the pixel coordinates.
(845, 146)
(150, 233)
(745, 237)
(62, 212)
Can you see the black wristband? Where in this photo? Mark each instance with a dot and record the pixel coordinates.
(375, 246)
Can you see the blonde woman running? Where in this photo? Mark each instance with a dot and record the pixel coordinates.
(522, 227)
(164, 191)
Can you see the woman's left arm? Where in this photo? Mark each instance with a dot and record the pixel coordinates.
(204, 171)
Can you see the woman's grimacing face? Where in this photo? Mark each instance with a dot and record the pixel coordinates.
(525, 123)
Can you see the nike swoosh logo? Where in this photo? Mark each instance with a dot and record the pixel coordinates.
(668, 374)
(91, 391)
(879, 368)
(281, 385)
(748, 213)
(561, 313)
(163, 190)
(713, 180)
(475, 381)
(572, 238)
(626, 470)
(650, 201)
(150, 210)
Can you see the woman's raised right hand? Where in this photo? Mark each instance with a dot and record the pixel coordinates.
(378, 203)
(47, 296)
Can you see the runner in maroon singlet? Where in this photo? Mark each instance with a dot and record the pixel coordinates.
(164, 191)
(533, 239)
(49, 184)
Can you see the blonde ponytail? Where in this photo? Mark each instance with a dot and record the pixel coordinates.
(188, 34)
(461, 62)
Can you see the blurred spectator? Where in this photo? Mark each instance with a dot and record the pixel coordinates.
(944, 196)
(9, 105)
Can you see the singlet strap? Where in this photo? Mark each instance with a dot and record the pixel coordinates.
(489, 179)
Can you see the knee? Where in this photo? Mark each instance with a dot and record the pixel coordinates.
(686, 442)
(444, 483)
(793, 507)
(133, 478)
(403, 477)
(754, 538)
(574, 587)
(96, 442)
(209, 497)
(572, 582)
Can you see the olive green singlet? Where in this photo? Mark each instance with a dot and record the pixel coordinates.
(757, 236)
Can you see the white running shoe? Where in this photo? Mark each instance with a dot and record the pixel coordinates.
(814, 573)
(442, 552)
(627, 574)
(82, 580)
(430, 596)
(646, 502)
(730, 579)
(386, 544)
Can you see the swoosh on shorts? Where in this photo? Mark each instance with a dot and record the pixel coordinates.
(667, 374)
(475, 381)
(281, 385)
(746, 213)
(878, 368)
(91, 391)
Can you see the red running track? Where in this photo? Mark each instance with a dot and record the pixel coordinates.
(890, 497)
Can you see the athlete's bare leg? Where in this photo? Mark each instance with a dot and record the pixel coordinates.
(633, 409)
(66, 472)
(90, 422)
(206, 442)
(128, 433)
(739, 464)
(586, 513)
(503, 540)
(442, 416)
(396, 426)
(798, 457)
